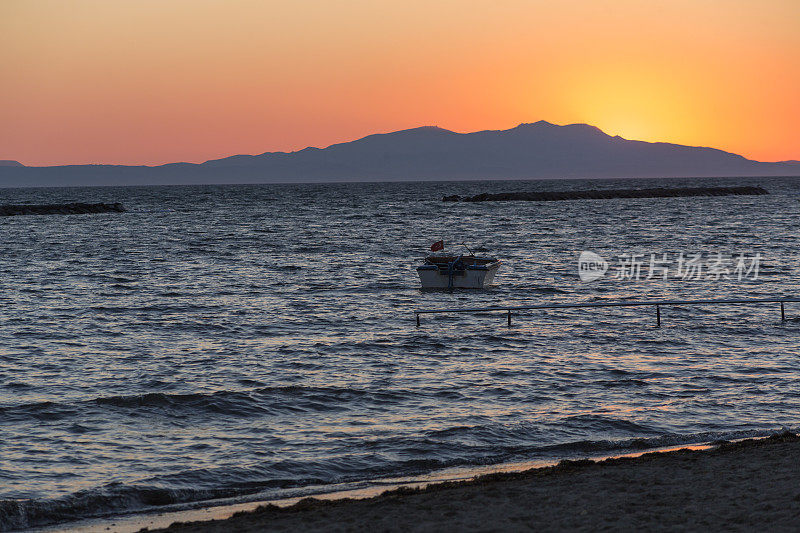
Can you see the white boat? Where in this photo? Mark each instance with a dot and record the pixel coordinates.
(457, 272)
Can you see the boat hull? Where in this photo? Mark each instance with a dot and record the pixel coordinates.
(469, 278)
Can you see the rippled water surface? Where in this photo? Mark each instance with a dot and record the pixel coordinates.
(248, 341)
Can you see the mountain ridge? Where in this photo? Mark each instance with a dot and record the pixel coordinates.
(527, 151)
(539, 127)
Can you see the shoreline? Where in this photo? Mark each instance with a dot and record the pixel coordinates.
(742, 484)
(358, 490)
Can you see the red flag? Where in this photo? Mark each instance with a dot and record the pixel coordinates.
(437, 246)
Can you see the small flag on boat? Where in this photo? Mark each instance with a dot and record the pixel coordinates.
(439, 245)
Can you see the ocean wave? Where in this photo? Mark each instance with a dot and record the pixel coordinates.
(38, 411)
(243, 403)
(606, 423)
(103, 501)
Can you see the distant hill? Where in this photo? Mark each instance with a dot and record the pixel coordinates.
(538, 150)
(10, 163)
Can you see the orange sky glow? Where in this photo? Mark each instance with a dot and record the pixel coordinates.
(156, 81)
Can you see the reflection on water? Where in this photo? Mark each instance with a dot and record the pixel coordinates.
(226, 342)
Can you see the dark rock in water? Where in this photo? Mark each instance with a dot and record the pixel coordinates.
(548, 196)
(60, 209)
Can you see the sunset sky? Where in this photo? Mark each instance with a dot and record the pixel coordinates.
(155, 81)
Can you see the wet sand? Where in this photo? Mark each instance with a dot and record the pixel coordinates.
(743, 486)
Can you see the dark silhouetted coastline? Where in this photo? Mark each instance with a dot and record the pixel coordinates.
(60, 209)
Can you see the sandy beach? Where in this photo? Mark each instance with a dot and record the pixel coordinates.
(743, 486)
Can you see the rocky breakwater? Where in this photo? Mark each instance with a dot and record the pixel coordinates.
(59, 209)
(600, 194)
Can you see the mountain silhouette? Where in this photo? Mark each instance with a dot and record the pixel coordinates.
(537, 150)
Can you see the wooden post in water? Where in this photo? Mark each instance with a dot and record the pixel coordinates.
(656, 303)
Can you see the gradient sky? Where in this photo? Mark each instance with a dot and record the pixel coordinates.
(155, 81)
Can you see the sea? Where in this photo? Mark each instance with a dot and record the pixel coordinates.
(252, 342)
